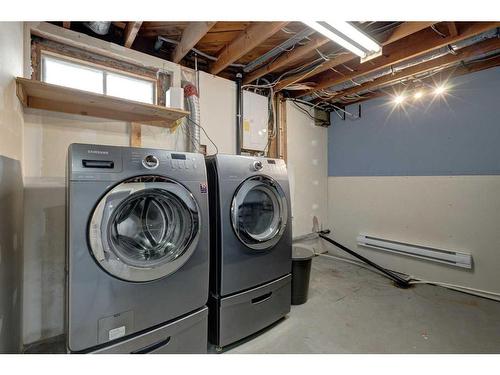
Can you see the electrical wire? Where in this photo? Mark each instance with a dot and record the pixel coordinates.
(321, 122)
(400, 282)
(478, 292)
(412, 280)
(438, 32)
(415, 281)
(206, 135)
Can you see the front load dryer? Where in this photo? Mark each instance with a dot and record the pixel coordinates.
(137, 250)
(250, 245)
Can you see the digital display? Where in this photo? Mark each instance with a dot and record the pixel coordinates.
(271, 161)
(178, 156)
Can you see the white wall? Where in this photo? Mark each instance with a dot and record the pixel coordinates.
(307, 150)
(11, 185)
(11, 65)
(218, 113)
(456, 212)
(47, 137)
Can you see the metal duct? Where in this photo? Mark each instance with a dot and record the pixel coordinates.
(278, 49)
(193, 101)
(99, 27)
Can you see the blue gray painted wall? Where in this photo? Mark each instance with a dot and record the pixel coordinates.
(459, 136)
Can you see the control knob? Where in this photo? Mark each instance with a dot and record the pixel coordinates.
(150, 162)
(257, 165)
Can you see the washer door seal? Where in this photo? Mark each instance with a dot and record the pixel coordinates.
(144, 229)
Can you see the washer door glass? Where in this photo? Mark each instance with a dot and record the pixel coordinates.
(144, 229)
(259, 212)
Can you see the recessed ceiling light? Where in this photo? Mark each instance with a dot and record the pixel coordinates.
(439, 90)
(398, 99)
(418, 94)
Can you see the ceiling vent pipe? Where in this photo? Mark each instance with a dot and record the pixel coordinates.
(99, 27)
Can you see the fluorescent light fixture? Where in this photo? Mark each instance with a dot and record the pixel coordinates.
(336, 38)
(346, 35)
(357, 36)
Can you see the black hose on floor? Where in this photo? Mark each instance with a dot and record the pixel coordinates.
(400, 282)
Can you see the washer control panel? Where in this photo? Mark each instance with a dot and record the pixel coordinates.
(107, 163)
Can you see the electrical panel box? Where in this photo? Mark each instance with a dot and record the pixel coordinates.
(255, 121)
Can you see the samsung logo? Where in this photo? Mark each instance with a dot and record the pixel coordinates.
(97, 152)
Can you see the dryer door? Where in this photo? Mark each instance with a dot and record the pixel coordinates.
(144, 228)
(259, 212)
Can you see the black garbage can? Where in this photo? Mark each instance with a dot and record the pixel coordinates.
(301, 271)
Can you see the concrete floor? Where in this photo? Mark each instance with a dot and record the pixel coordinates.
(353, 310)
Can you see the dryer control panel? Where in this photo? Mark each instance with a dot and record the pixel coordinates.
(270, 166)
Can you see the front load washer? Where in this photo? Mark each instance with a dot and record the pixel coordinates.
(250, 245)
(137, 250)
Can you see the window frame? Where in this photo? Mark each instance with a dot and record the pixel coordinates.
(103, 68)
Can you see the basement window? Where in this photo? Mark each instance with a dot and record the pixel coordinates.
(93, 78)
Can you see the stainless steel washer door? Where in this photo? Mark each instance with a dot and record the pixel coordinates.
(144, 228)
(259, 212)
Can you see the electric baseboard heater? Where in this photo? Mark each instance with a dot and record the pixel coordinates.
(452, 258)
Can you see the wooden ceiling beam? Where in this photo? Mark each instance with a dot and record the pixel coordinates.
(131, 31)
(329, 64)
(448, 73)
(452, 28)
(190, 37)
(400, 53)
(287, 58)
(406, 29)
(246, 41)
(484, 47)
(400, 32)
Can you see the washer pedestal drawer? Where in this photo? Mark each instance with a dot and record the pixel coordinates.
(245, 313)
(185, 335)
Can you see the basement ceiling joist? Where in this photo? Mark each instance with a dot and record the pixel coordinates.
(416, 45)
(190, 37)
(402, 31)
(308, 65)
(246, 41)
(445, 75)
(131, 31)
(474, 50)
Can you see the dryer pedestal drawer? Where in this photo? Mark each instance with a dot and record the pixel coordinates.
(245, 313)
(184, 335)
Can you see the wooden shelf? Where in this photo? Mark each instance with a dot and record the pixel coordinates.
(41, 95)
